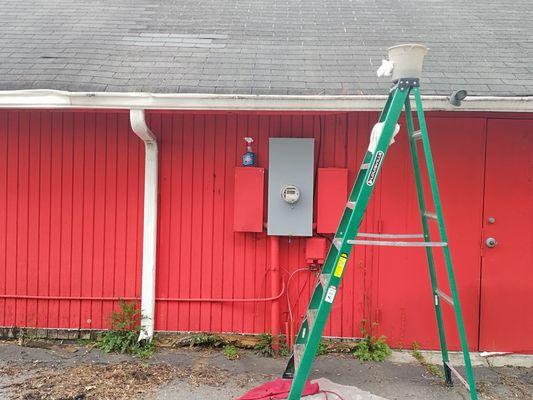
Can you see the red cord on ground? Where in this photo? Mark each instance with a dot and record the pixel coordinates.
(325, 392)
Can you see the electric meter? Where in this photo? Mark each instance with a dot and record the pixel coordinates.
(290, 194)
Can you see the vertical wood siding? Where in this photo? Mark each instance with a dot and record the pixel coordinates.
(71, 190)
(200, 256)
(70, 216)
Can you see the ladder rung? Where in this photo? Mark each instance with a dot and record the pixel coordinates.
(337, 242)
(311, 316)
(350, 205)
(431, 215)
(417, 135)
(392, 235)
(397, 244)
(444, 296)
(365, 165)
(297, 353)
(458, 375)
(324, 278)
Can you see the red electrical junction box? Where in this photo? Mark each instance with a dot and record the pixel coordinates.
(248, 199)
(315, 250)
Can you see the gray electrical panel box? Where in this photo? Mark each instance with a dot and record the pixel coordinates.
(290, 187)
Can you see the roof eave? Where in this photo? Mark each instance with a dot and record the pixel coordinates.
(56, 99)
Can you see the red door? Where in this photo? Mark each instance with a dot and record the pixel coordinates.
(506, 321)
(405, 311)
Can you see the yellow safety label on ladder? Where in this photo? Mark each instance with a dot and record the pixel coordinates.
(340, 265)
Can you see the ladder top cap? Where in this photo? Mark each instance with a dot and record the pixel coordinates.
(410, 46)
(407, 60)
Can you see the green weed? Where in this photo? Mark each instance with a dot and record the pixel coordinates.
(432, 369)
(205, 340)
(231, 352)
(371, 349)
(284, 350)
(125, 329)
(322, 348)
(264, 345)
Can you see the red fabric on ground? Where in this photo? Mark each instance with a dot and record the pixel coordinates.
(278, 389)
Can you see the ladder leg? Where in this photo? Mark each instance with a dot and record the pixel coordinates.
(385, 110)
(429, 251)
(446, 250)
(310, 333)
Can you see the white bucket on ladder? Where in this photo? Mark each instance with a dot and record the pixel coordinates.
(408, 60)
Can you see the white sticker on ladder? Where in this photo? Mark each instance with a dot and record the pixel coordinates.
(330, 295)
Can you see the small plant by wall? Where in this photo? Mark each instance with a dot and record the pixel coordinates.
(370, 348)
(124, 333)
(231, 352)
(432, 369)
(322, 348)
(264, 346)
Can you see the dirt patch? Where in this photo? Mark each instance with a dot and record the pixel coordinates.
(507, 385)
(10, 369)
(124, 381)
(202, 374)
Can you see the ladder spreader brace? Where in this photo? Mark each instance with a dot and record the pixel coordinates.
(347, 236)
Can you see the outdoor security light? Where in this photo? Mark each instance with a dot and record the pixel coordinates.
(457, 97)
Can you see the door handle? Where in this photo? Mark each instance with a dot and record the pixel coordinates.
(491, 242)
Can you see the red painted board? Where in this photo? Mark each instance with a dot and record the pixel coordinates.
(404, 311)
(332, 195)
(249, 196)
(507, 268)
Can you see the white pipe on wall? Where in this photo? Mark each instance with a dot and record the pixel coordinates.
(138, 125)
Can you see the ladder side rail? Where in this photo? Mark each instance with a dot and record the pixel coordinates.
(327, 267)
(361, 175)
(330, 261)
(385, 109)
(429, 252)
(444, 238)
(361, 200)
(392, 111)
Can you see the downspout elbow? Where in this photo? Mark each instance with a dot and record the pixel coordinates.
(140, 128)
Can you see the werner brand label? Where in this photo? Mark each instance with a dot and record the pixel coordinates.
(340, 265)
(375, 168)
(330, 294)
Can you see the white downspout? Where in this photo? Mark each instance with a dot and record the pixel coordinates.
(138, 125)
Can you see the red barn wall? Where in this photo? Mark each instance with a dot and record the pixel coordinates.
(71, 199)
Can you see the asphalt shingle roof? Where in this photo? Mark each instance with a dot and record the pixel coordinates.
(262, 46)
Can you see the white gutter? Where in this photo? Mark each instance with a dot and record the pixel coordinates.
(138, 125)
(46, 99)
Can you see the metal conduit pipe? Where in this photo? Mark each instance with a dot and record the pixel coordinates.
(166, 299)
(274, 284)
(139, 127)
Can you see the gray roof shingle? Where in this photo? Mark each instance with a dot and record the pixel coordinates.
(262, 46)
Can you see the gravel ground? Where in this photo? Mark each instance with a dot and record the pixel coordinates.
(71, 372)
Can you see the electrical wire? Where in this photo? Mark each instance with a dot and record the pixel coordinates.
(326, 397)
(287, 290)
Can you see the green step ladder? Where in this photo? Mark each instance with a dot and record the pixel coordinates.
(347, 235)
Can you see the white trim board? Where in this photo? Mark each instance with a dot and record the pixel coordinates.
(55, 99)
